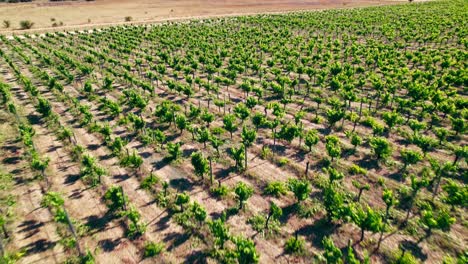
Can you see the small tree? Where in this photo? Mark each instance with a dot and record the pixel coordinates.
(153, 249)
(204, 136)
(300, 188)
(440, 170)
(220, 231)
(332, 253)
(115, 198)
(461, 152)
(243, 192)
(458, 125)
(245, 251)
(229, 123)
(274, 213)
(380, 147)
(390, 201)
(238, 155)
(311, 138)
(392, 119)
(248, 137)
(174, 150)
(367, 220)
(457, 194)
(408, 196)
(133, 160)
(333, 146)
(436, 220)
(207, 117)
(295, 245)
(361, 187)
(334, 174)
(410, 157)
(181, 200)
(200, 164)
(333, 201)
(181, 122)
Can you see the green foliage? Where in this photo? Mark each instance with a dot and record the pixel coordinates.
(174, 151)
(200, 164)
(392, 119)
(115, 198)
(148, 182)
(245, 252)
(334, 174)
(425, 143)
(44, 107)
(181, 122)
(220, 191)
(153, 249)
(288, 132)
(368, 219)
(333, 146)
(90, 170)
(380, 147)
(243, 192)
(275, 188)
(181, 200)
(300, 188)
(238, 154)
(229, 123)
(135, 227)
(357, 170)
(440, 219)
(332, 254)
(220, 231)
(39, 164)
(410, 157)
(52, 200)
(333, 201)
(311, 138)
(241, 111)
(248, 136)
(295, 245)
(457, 194)
(402, 257)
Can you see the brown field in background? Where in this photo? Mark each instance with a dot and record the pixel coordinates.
(82, 14)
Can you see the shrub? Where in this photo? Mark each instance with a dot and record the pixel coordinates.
(282, 161)
(128, 18)
(6, 23)
(153, 249)
(26, 24)
(275, 188)
(220, 191)
(399, 257)
(266, 152)
(356, 170)
(149, 181)
(295, 246)
(257, 222)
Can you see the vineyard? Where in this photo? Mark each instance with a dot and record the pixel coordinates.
(334, 136)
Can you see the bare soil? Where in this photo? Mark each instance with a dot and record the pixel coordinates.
(83, 14)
